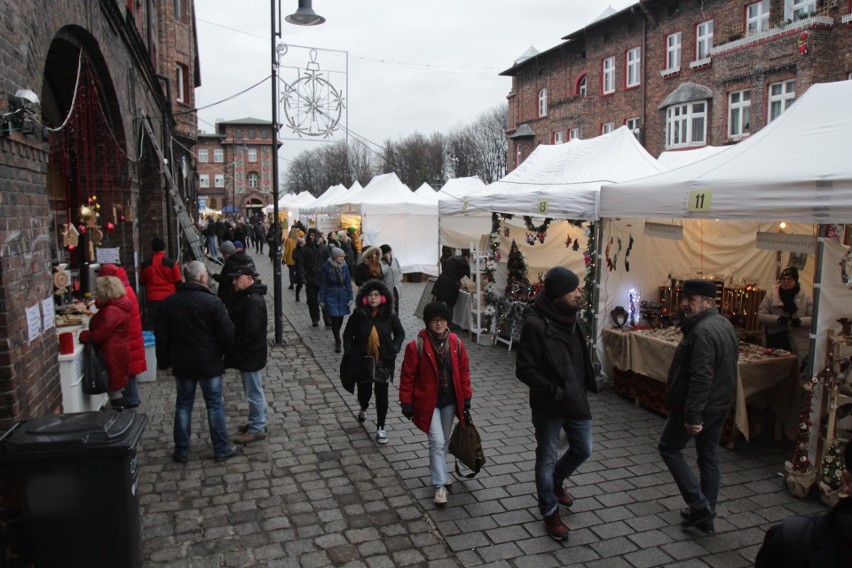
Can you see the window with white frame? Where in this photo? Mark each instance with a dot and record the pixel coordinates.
(608, 75)
(607, 127)
(557, 137)
(518, 159)
(219, 180)
(253, 180)
(203, 156)
(252, 155)
(182, 83)
(632, 62)
(686, 125)
(218, 156)
(574, 134)
(781, 96)
(542, 102)
(581, 87)
(633, 125)
(673, 52)
(739, 113)
(799, 9)
(204, 180)
(757, 17)
(703, 40)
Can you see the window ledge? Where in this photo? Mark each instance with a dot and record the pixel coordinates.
(738, 137)
(846, 19)
(666, 73)
(686, 146)
(701, 63)
(772, 33)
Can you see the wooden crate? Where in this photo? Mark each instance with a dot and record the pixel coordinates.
(741, 306)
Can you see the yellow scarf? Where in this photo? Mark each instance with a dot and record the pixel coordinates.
(373, 343)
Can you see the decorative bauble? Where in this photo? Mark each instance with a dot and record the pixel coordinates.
(110, 227)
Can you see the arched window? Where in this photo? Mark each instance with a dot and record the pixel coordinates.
(253, 180)
(581, 86)
(542, 102)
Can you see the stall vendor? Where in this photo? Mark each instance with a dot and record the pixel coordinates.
(785, 313)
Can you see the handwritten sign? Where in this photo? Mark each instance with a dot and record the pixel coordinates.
(108, 256)
(787, 242)
(663, 231)
(47, 313)
(700, 201)
(33, 322)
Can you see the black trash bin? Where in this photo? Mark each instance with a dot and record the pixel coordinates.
(78, 474)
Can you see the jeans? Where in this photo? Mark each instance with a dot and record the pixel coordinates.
(550, 472)
(212, 390)
(312, 298)
(131, 391)
(365, 391)
(211, 246)
(253, 388)
(439, 441)
(674, 438)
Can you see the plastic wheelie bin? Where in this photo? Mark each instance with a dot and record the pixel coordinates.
(79, 479)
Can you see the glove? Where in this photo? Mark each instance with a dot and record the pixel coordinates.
(782, 320)
(408, 410)
(467, 405)
(796, 322)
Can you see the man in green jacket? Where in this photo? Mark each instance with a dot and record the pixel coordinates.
(700, 391)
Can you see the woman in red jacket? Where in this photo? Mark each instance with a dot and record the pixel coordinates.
(108, 330)
(434, 386)
(138, 365)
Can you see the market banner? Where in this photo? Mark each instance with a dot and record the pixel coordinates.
(787, 242)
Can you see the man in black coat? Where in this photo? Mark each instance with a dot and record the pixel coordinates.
(312, 257)
(813, 541)
(554, 361)
(193, 334)
(452, 271)
(700, 391)
(248, 356)
(235, 257)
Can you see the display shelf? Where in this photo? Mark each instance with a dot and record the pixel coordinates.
(839, 349)
(478, 258)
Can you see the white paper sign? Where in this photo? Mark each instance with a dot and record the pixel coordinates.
(108, 256)
(33, 322)
(787, 242)
(47, 313)
(663, 231)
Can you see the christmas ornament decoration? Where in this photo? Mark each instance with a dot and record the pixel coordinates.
(110, 227)
(576, 246)
(568, 242)
(802, 43)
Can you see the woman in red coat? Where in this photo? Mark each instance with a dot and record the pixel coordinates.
(138, 365)
(434, 386)
(108, 330)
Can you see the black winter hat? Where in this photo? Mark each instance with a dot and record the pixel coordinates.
(385, 249)
(434, 310)
(699, 287)
(158, 244)
(792, 272)
(560, 281)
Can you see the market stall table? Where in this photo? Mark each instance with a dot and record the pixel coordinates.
(641, 361)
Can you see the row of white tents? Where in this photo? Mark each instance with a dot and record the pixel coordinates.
(717, 200)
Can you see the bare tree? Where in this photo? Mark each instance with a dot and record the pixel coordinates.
(416, 159)
(317, 170)
(479, 149)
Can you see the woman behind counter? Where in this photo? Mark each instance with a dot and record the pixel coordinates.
(108, 329)
(785, 312)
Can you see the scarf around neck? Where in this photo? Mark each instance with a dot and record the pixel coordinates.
(565, 318)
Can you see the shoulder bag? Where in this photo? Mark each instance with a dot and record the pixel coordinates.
(466, 446)
(95, 374)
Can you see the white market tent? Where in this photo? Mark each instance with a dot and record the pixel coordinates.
(458, 231)
(671, 159)
(795, 169)
(425, 190)
(392, 214)
(328, 196)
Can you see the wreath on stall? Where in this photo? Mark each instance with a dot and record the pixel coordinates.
(536, 232)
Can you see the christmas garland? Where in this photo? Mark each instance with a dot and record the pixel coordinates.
(537, 230)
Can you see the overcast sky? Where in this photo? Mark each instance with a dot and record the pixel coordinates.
(413, 65)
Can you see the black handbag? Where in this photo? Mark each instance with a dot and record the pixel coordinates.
(466, 446)
(95, 374)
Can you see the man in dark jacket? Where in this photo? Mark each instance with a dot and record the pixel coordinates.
(193, 334)
(813, 541)
(312, 257)
(554, 361)
(700, 391)
(235, 257)
(452, 271)
(248, 356)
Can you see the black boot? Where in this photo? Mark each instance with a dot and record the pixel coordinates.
(337, 346)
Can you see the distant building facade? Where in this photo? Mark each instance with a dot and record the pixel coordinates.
(235, 166)
(679, 74)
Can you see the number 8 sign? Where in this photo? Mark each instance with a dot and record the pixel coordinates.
(700, 201)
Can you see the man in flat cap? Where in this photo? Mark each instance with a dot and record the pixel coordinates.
(554, 361)
(700, 391)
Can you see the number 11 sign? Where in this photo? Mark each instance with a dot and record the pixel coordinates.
(700, 201)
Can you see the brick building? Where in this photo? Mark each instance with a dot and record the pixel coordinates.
(94, 93)
(235, 166)
(680, 74)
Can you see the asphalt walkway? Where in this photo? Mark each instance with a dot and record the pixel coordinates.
(320, 492)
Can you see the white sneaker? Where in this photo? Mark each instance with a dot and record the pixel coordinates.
(441, 496)
(381, 437)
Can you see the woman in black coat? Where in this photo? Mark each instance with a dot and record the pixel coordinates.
(371, 341)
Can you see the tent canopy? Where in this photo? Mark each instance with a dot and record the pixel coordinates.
(387, 195)
(672, 159)
(425, 190)
(327, 197)
(563, 181)
(796, 169)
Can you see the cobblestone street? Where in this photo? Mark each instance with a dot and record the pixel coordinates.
(320, 492)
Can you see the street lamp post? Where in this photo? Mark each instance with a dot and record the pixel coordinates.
(304, 16)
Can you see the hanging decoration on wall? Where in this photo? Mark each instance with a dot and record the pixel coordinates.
(589, 256)
(627, 254)
(70, 235)
(576, 246)
(568, 242)
(846, 268)
(802, 43)
(536, 231)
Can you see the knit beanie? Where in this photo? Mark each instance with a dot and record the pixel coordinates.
(699, 287)
(560, 281)
(336, 252)
(158, 244)
(792, 272)
(434, 310)
(227, 248)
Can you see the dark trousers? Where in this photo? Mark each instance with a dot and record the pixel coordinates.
(312, 298)
(365, 392)
(151, 315)
(336, 325)
(703, 493)
(396, 301)
(291, 269)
